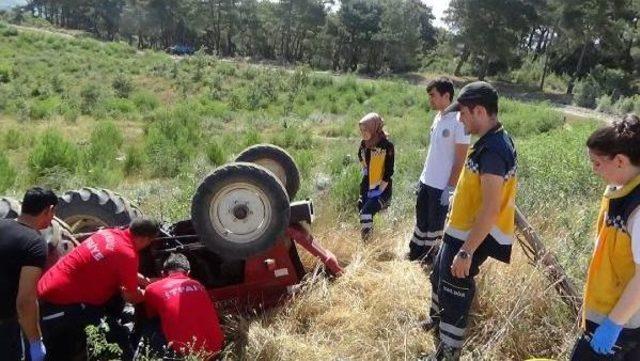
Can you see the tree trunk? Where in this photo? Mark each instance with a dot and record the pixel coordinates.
(485, 67)
(574, 76)
(463, 58)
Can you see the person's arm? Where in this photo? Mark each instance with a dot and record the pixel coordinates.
(629, 304)
(27, 302)
(491, 186)
(459, 157)
(128, 270)
(389, 162)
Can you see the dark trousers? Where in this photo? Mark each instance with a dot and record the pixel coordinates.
(430, 218)
(63, 330)
(369, 207)
(451, 297)
(11, 345)
(627, 347)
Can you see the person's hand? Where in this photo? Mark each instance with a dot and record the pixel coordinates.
(374, 193)
(461, 266)
(605, 337)
(445, 197)
(364, 171)
(37, 350)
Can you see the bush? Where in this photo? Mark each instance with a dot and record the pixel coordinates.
(14, 138)
(91, 95)
(171, 141)
(345, 188)
(604, 104)
(44, 108)
(7, 174)
(586, 92)
(122, 86)
(145, 101)
(294, 137)
(134, 160)
(106, 139)
(215, 153)
(52, 151)
(5, 73)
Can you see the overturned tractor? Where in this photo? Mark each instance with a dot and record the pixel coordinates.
(241, 238)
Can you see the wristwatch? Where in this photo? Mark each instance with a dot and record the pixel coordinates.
(464, 254)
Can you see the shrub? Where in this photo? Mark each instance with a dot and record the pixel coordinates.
(7, 174)
(345, 188)
(91, 95)
(145, 101)
(122, 86)
(215, 153)
(171, 141)
(52, 151)
(44, 108)
(134, 160)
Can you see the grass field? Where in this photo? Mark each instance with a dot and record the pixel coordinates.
(77, 112)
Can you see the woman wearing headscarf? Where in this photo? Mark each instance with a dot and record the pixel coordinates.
(376, 155)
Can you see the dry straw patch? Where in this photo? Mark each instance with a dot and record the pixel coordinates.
(372, 311)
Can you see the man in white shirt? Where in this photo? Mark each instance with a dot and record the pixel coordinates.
(447, 152)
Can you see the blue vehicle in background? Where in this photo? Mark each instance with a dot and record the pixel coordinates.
(181, 50)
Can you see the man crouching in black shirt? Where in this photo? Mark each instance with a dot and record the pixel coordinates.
(23, 252)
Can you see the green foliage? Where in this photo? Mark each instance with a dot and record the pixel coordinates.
(7, 174)
(523, 120)
(98, 348)
(91, 96)
(50, 152)
(345, 188)
(215, 153)
(122, 86)
(134, 160)
(171, 140)
(145, 101)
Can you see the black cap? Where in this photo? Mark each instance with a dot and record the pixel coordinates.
(477, 93)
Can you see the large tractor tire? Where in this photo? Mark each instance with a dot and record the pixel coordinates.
(89, 209)
(59, 237)
(9, 208)
(278, 161)
(240, 210)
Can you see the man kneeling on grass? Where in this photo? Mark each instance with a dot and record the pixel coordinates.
(481, 222)
(188, 321)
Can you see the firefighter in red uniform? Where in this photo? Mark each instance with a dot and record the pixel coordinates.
(188, 321)
(78, 289)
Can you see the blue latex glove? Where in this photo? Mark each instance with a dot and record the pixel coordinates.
(374, 193)
(605, 337)
(37, 350)
(364, 171)
(445, 197)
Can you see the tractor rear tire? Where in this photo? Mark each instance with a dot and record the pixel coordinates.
(58, 236)
(240, 210)
(89, 209)
(9, 208)
(278, 161)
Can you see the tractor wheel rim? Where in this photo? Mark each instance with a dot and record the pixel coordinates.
(240, 212)
(275, 168)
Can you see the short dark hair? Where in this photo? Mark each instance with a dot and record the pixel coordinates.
(442, 85)
(175, 262)
(620, 137)
(144, 227)
(491, 107)
(37, 199)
